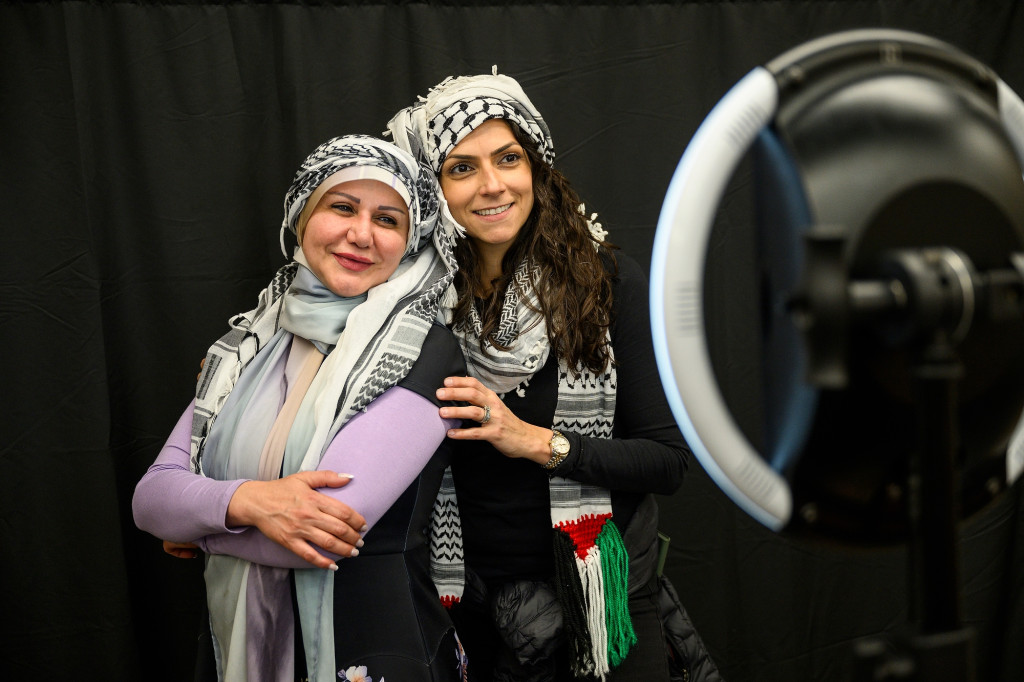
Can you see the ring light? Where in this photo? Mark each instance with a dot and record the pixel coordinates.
(766, 107)
(677, 300)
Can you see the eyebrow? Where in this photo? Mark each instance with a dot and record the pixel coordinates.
(344, 194)
(496, 151)
(356, 200)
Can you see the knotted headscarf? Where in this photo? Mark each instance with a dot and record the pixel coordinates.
(370, 342)
(591, 564)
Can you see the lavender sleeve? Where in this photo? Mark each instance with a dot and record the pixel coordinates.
(384, 448)
(174, 504)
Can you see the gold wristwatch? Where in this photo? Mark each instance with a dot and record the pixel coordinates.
(559, 449)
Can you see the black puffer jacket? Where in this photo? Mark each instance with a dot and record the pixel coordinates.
(689, 660)
(529, 618)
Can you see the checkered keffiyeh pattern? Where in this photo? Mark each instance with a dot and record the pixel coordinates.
(362, 150)
(447, 128)
(454, 108)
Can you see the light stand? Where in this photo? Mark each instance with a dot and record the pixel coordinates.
(928, 304)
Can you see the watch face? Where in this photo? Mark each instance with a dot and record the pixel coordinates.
(559, 444)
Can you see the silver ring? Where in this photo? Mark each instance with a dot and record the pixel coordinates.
(487, 415)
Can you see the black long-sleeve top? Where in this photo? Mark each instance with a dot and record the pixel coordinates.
(504, 503)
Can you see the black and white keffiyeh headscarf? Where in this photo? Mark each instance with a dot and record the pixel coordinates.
(370, 343)
(590, 558)
(356, 157)
(455, 107)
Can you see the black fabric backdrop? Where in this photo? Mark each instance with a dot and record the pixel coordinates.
(144, 154)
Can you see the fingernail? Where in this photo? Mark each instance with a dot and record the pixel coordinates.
(359, 542)
(440, 393)
(354, 552)
(333, 567)
(364, 528)
(348, 476)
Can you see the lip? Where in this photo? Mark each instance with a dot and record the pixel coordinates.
(352, 262)
(505, 208)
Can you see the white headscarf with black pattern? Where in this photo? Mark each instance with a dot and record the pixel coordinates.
(455, 107)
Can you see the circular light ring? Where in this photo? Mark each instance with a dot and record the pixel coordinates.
(677, 293)
(677, 300)
(1011, 112)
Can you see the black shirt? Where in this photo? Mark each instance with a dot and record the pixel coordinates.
(504, 503)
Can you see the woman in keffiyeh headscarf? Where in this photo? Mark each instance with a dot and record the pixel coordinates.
(567, 429)
(334, 371)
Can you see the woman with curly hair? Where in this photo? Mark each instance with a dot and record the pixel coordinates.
(545, 540)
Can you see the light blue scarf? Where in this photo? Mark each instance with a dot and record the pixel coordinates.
(309, 310)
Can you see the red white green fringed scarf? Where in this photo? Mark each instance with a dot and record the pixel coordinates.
(591, 565)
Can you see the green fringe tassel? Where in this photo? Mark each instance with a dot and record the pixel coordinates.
(615, 567)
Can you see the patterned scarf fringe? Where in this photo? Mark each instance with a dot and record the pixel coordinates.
(447, 567)
(591, 574)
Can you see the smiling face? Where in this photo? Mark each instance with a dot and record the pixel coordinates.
(356, 236)
(488, 184)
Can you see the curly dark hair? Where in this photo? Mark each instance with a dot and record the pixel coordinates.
(573, 286)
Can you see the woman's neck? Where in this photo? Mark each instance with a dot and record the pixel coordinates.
(490, 269)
